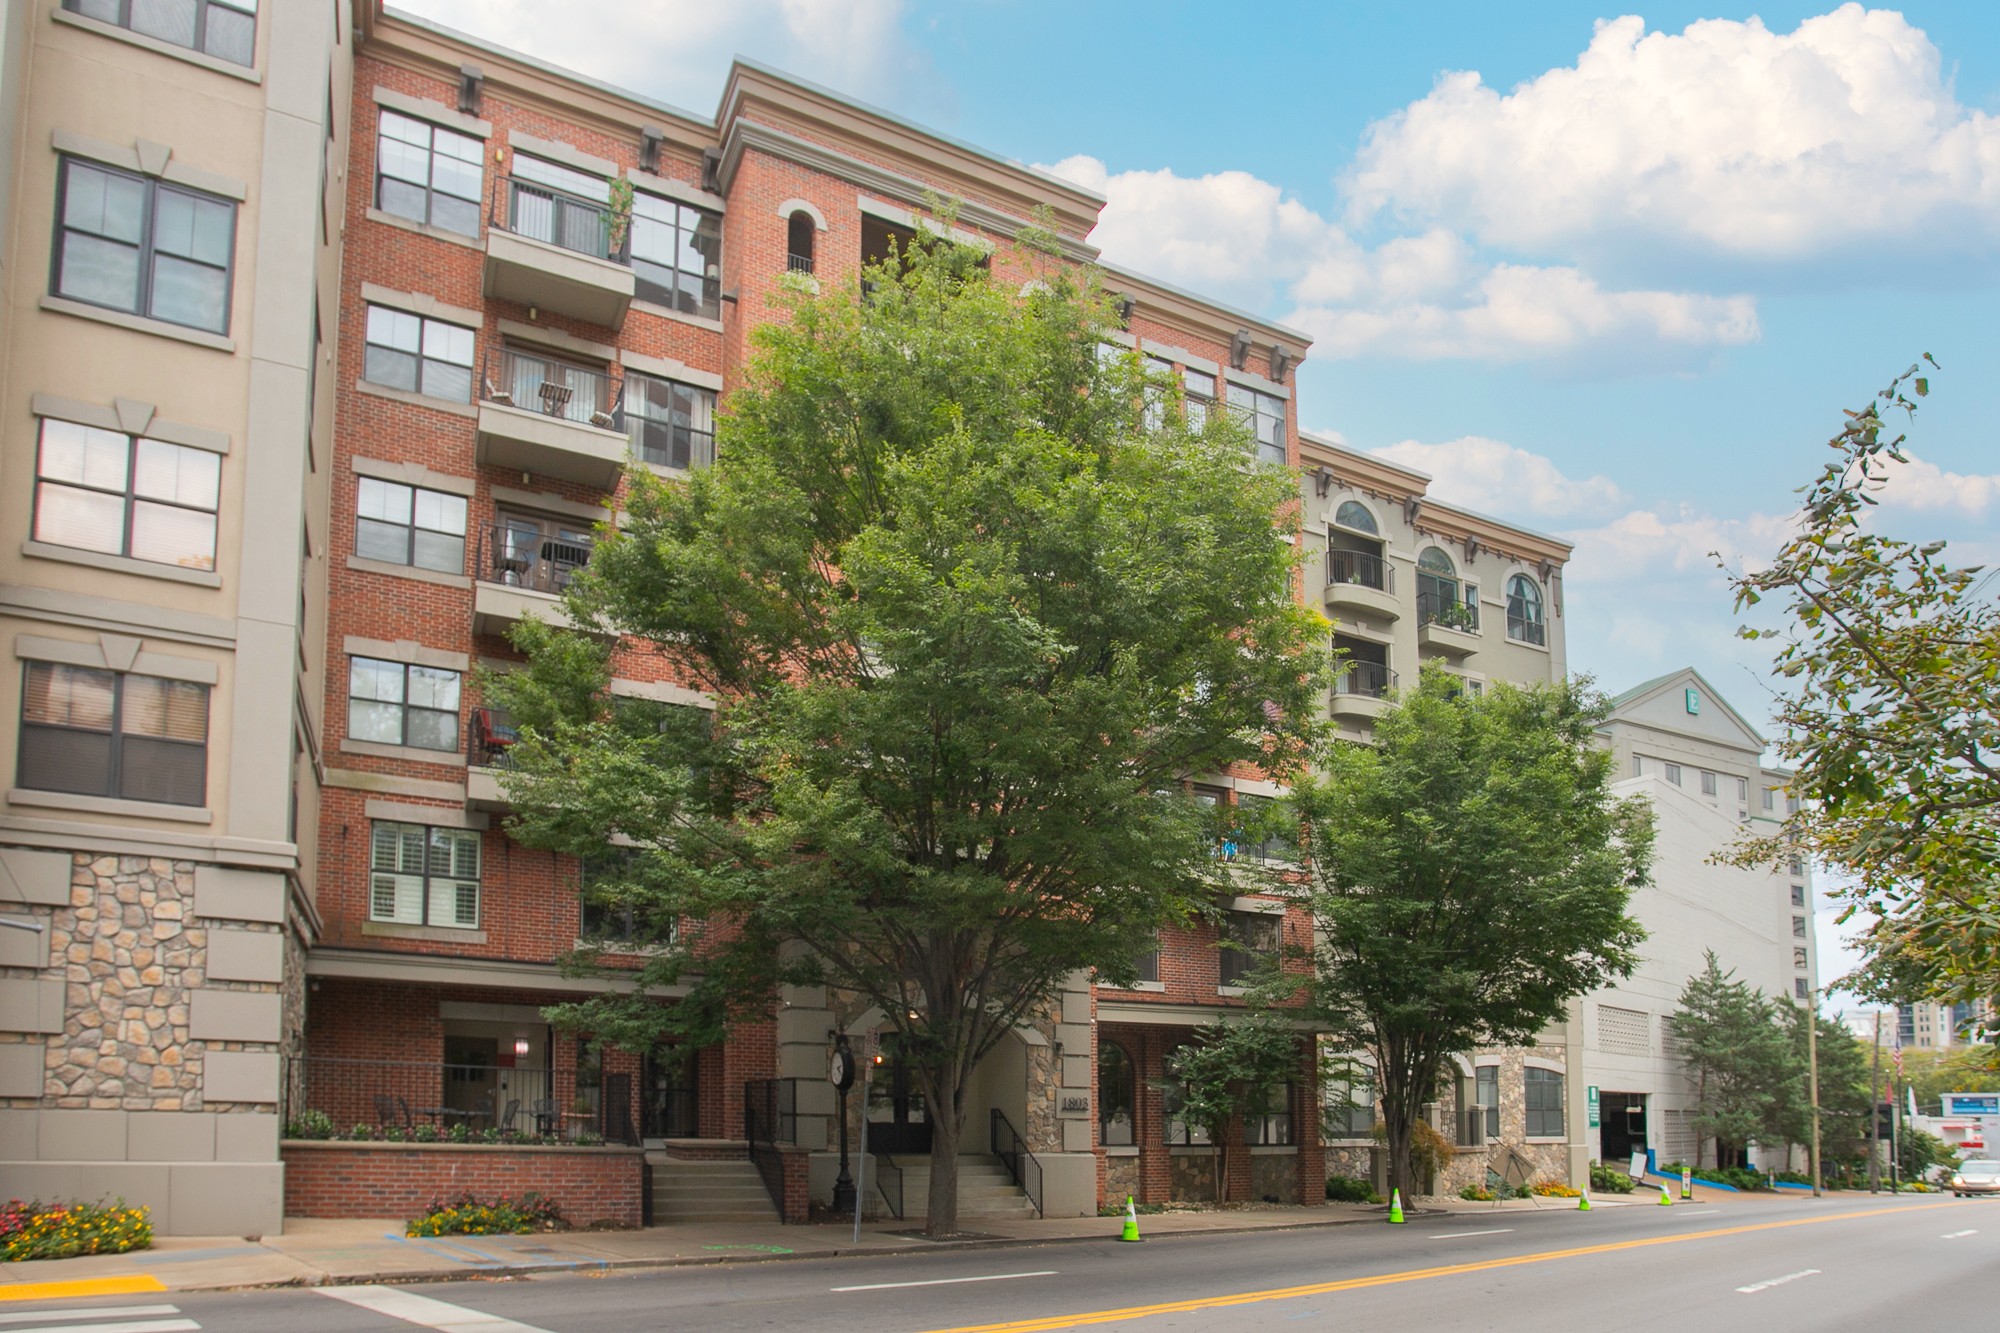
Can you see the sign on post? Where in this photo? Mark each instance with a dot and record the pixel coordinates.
(1590, 1099)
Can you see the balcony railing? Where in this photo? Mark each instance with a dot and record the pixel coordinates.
(490, 739)
(420, 1100)
(1447, 608)
(544, 213)
(553, 388)
(1370, 679)
(525, 558)
(799, 263)
(1359, 567)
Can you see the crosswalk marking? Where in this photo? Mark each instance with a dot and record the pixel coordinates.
(90, 1312)
(425, 1312)
(126, 1326)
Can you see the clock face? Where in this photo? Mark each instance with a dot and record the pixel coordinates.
(840, 1070)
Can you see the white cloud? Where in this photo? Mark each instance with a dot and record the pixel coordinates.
(679, 50)
(1922, 485)
(1644, 545)
(1727, 137)
(1500, 479)
(1427, 296)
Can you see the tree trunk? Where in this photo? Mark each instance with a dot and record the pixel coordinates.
(947, 1129)
(1222, 1170)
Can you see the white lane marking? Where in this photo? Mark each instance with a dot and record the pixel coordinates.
(1778, 1281)
(947, 1281)
(425, 1312)
(92, 1312)
(1954, 1235)
(1702, 1212)
(129, 1326)
(1454, 1235)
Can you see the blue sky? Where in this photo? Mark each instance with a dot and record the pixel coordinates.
(1611, 278)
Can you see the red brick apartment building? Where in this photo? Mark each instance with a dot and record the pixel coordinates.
(499, 360)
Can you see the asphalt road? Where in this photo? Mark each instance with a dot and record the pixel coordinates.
(1830, 1264)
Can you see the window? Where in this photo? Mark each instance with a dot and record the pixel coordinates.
(529, 551)
(1159, 385)
(1798, 895)
(1264, 414)
(1796, 864)
(1799, 927)
(1271, 1126)
(609, 914)
(1117, 1107)
(98, 490)
(800, 235)
(1199, 388)
(672, 425)
(1674, 774)
(1148, 963)
(1638, 766)
(1799, 988)
(1545, 1103)
(1177, 1131)
(392, 703)
(1250, 943)
(225, 29)
(1707, 783)
(1791, 805)
(428, 174)
(408, 525)
(560, 205)
(1486, 1093)
(1799, 958)
(107, 733)
(677, 254)
(1438, 596)
(1743, 790)
(418, 355)
(421, 876)
(132, 243)
(1524, 611)
(1350, 1107)
(1266, 829)
(1770, 798)
(1353, 514)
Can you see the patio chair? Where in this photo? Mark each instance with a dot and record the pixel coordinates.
(507, 1121)
(500, 396)
(544, 1111)
(385, 1109)
(409, 1121)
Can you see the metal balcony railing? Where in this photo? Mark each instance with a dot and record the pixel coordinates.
(1371, 679)
(555, 388)
(545, 213)
(799, 263)
(404, 1096)
(1446, 607)
(1359, 567)
(522, 557)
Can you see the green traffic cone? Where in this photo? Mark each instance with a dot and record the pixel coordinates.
(1396, 1206)
(1583, 1202)
(1666, 1199)
(1131, 1220)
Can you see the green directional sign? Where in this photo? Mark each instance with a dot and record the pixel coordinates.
(1590, 1096)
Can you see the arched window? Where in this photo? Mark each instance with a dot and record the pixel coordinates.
(799, 239)
(1435, 561)
(1438, 597)
(1353, 514)
(1524, 611)
(1117, 1109)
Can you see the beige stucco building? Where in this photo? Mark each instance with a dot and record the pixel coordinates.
(164, 433)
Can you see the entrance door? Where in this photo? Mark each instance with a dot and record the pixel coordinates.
(471, 1077)
(668, 1102)
(1622, 1131)
(898, 1121)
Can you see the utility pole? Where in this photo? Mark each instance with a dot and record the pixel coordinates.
(1875, 1111)
(1812, 1078)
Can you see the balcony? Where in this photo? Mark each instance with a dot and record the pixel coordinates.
(554, 250)
(426, 1101)
(1358, 582)
(488, 741)
(1447, 624)
(521, 572)
(1362, 692)
(552, 418)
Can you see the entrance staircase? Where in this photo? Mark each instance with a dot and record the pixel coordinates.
(985, 1191)
(723, 1190)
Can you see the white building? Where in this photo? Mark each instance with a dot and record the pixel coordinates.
(1699, 763)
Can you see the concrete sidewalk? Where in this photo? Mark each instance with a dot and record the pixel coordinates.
(320, 1252)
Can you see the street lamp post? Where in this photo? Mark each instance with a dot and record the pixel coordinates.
(1812, 1078)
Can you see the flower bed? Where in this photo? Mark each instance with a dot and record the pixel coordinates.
(37, 1230)
(502, 1217)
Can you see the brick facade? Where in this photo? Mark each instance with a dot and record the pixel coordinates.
(400, 1180)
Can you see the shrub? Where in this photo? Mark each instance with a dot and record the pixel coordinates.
(311, 1125)
(460, 1132)
(1476, 1193)
(1346, 1189)
(64, 1230)
(360, 1133)
(425, 1134)
(1554, 1189)
(1724, 1175)
(470, 1217)
(1609, 1180)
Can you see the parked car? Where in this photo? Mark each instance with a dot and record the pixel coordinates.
(1980, 1177)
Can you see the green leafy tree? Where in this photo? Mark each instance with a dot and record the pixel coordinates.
(1890, 653)
(1843, 1087)
(968, 619)
(1917, 1151)
(1230, 1069)
(1740, 1059)
(1931, 1074)
(1468, 877)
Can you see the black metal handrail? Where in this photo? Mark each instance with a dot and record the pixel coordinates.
(1435, 606)
(554, 388)
(1359, 567)
(1012, 1150)
(770, 1117)
(1370, 679)
(545, 213)
(889, 1184)
(802, 264)
(521, 557)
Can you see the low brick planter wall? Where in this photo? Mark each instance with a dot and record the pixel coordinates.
(329, 1178)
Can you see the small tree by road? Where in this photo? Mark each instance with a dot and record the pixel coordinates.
(1230, 1069)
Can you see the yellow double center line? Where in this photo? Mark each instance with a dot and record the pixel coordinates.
(1407, 1275)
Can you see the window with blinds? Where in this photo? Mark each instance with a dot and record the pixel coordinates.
(422, 876)
(108, 733)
